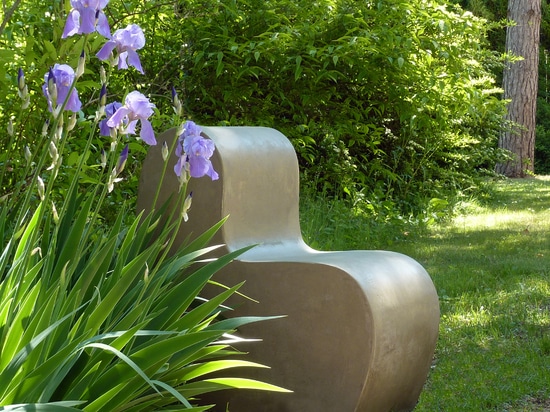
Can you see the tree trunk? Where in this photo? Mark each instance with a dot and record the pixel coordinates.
(520, 86)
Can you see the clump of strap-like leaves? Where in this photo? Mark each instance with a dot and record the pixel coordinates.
(97, 315)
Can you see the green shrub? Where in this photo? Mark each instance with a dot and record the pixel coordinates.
(394, 99)
(396, 94)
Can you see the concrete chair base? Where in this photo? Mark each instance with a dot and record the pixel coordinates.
(361, 326)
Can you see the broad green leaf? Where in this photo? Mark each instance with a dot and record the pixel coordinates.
(129, 274)
(149, 358)
(193, 409)
(125, 359)
(201, 369)
(173, 392)
(70, 250)
(218, 384)
(24, 244)
(200, 355)
(50, 49)
(172, 267)
(82, 375)
(172, 302)
(17, 361)
(4, 258)
(202, 240)
(141, 237)
(43, 407)
(243, 383)
(237, 322)
(127, 243)
(97, 266)
(102, 399)
(193, 318)
(40, 320)
(17, 326)
(42, 375)
(6, 304)
(139, 313)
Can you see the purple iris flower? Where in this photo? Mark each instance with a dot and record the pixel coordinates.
(199, 150)
(110, 109)
(190, 129)
(57, 83)
(86, 16)
(194, 152)
(136, 108)
(126, 42)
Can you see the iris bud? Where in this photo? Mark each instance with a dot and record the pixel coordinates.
(28, 154)
(103, 158)
(81, 64)
(164, 150)
(41, 187)
(20, 80)
(122, 160)
(187, 206)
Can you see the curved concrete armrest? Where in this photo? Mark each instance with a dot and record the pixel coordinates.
(362, 325)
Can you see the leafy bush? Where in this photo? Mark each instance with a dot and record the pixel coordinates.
(393, 97)
(96, 314)
(390, 101)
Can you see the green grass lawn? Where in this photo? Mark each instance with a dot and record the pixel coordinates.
(491, 268)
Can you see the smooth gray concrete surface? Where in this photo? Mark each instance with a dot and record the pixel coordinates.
(361, 326)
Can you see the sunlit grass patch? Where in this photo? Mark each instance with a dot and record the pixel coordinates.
(491, 268)
(492, 271)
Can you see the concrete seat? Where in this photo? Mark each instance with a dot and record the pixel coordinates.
(361, 326)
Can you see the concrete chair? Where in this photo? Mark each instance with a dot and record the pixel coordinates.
(361, 326)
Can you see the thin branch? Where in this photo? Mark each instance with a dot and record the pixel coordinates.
(8, 14)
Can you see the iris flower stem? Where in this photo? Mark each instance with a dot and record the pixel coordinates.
(177, 207)
(111, 162)
(23, 210)
(164, 168)
(104, 176)
(177, 219)
(42, 162)
(80, 165)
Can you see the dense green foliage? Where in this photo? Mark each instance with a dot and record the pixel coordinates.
(391, 102)
(383, 101)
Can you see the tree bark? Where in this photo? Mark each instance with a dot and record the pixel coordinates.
(520, 86)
